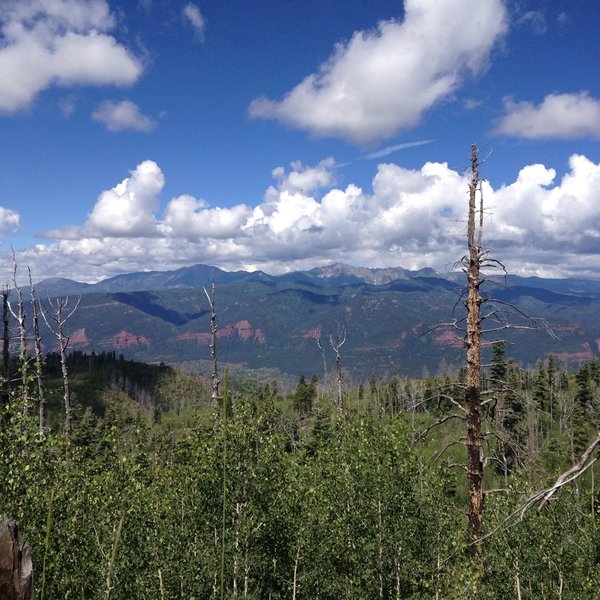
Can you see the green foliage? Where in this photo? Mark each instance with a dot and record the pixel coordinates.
(305, 395)
(133, 506)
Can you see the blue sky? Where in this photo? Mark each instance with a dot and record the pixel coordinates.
(273, 135)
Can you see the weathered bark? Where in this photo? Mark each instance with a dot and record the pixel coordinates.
(20, 317)
(5, 349)
(336, 345)
(473, 345)
(16, 569)
(60, 316)
(213, 343)
(39, 359)
(323, 358)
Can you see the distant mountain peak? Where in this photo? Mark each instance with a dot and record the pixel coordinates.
(375, 275)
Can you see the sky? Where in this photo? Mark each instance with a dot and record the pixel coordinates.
(155, 134)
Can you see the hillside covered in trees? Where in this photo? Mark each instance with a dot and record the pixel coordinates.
(269, 326)
(159, 494)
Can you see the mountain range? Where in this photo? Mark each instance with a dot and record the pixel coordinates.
(271, 326)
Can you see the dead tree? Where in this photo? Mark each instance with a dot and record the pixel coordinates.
(16, 569)
(472, 266)
(336, 344)
(39, 358)
(213, 343)
(5, 348)
(20, 315)
(60, 312)
(323, 358)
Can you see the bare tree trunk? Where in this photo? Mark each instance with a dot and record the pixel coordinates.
(380, 545)
(60, 316)
(323, 358)
(518, 583)
(216, 573)
(213, 343)
(38, 355)
(336, 344)
(5, 349)
(473, 346)
(20, 317)
(16, 569)
(64, 342)
(112, 560)
(295, 578)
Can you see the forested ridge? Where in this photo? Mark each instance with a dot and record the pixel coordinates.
(159, 494)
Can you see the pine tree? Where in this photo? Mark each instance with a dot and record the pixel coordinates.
(304, 395)
(499, 367)
(584, 395)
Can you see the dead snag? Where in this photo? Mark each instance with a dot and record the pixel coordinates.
(5, 348)
(60, 312)
(472, 267)
(213, 343)
(20, 315)
(39, 358)
(336, 344)
(16, 569)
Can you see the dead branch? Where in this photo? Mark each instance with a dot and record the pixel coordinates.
(578, 469)
(423, 434)
(434, 457)
(457, 466)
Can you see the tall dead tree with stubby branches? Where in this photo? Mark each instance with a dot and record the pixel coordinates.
(472, 264)
(498, 316)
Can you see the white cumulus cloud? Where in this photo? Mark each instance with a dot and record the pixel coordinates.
(382, 81)
(128, 208)
(122, 116)
(415, 218)
(59, 42)
(564, 116)
(185, 216)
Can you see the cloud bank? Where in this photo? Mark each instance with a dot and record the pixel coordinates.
(64, 43)
(381, 82)
(410, 217)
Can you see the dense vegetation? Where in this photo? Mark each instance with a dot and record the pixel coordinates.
(157, 494)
